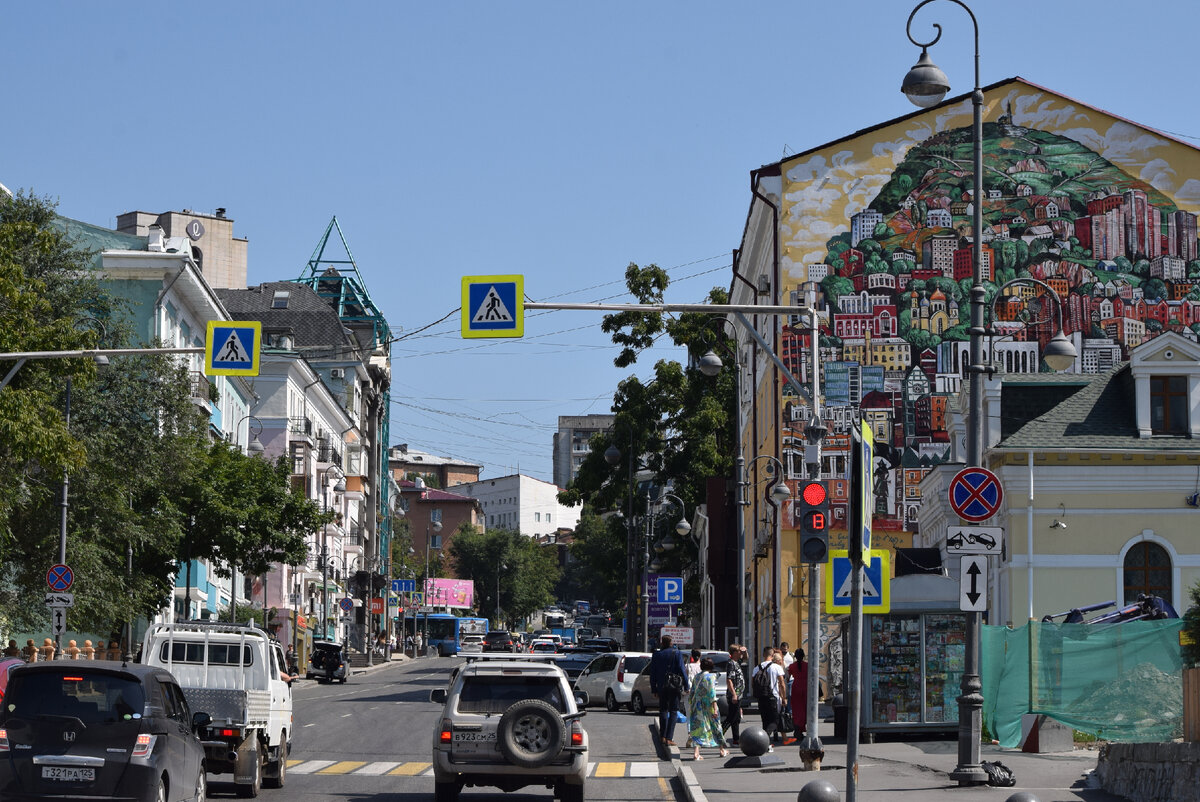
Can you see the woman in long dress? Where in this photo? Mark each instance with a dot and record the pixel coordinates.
(799, 695)
(704, 720)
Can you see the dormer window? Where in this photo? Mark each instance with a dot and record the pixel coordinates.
(280, 300)
(1168, 405)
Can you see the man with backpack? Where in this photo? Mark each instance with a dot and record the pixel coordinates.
(668, 681)
(769, 684)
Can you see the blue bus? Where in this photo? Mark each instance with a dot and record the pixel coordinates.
(446, 631)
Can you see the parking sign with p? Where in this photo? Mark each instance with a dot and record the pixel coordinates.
(670, 590)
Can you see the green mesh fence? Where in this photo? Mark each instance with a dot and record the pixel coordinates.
(1122, 682)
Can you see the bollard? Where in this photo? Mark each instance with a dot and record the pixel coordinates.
(1022, 796)
(754, 741)
(818, 791)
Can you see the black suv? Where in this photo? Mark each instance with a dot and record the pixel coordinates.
(500, 640)
(328, 662)
(93, 729)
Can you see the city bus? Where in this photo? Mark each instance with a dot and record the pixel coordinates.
(446, 631)
(554, 621)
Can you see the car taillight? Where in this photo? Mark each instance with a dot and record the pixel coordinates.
(447, 733)
(576, 734)
(621, 670)
(229, 733)
(144, 745)
(3, 740)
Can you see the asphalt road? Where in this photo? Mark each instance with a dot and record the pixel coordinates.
(371, 738)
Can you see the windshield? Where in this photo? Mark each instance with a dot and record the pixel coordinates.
(636, 664)
(493, 694)
(91, 698)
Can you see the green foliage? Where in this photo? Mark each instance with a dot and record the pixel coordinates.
(835, 286)
(1191, 627)
(504, 560)
(637, 331)
(597, 566)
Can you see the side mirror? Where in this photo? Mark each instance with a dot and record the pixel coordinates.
(200, 720)
(438, 695)
(581, 699)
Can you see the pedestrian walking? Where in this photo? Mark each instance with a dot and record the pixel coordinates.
(693, 671)
(770, 690)
(798, 698)
(704, 719)
(668, 681)
(735, 690)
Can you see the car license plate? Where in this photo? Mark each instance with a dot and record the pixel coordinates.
(68, 774)
(474, 741)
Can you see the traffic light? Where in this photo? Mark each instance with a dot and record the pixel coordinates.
(813, 517)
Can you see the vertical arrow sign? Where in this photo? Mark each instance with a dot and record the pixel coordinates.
(972, 583)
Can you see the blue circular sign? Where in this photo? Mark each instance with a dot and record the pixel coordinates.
(346, 604)
(975, 494)
(60, 577)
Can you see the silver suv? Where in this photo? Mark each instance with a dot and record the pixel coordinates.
(509, 724)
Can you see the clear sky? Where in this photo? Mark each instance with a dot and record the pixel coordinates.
(557, 140)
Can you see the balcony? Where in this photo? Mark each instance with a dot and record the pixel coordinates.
(201, 391)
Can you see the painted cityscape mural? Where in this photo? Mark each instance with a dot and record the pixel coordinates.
(1100, 209)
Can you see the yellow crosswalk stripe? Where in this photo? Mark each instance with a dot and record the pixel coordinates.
(409, 769)
(343, 767)
(610, 770)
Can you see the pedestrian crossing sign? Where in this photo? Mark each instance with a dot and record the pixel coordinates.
(493, 306)
(876, 582)
(231, 347)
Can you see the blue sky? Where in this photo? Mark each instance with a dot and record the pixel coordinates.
(556, 140)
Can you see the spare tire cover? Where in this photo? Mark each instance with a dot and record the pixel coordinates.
(531, 733)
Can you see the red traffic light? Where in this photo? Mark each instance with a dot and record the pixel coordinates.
(813, 493)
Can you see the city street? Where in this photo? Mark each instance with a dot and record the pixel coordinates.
(370, 740)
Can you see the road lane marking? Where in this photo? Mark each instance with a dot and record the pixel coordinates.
(664, 788)
(409, 769)
(309, 766)
(610, 770)
(343, 767)
(643, 769)
(377, 768)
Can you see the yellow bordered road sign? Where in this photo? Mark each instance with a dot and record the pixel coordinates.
(493, 306)
(231, 347)
(877, 582)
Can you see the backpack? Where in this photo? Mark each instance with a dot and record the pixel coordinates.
(761, 684)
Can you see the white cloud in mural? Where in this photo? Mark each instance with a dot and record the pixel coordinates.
(1189, 193)
(1126, 144)
(1159, 174)
(1034, 111)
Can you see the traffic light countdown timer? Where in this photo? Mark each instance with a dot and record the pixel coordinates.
(814, 522)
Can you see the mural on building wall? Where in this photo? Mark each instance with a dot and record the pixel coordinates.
(1096, 207)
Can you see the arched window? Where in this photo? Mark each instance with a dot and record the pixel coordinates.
(1147, 570)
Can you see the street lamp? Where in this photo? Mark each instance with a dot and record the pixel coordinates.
(437, 527)
(926, 85)
(667, 544)
(1059, 353)
(612, 455)
(338, 487)
(503, 568)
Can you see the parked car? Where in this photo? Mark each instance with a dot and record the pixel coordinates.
(6, 665)
(499, 640)
(93, 729)
(641, 698)
(510, 724)
(542, 646)
(610, 677)
(471, 643)
(328, 662)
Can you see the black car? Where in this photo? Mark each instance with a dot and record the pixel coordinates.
(328, 662)
(573, 663)
(93, 729)
(499, 640)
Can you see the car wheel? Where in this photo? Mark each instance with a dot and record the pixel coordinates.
(610, 702)
(201, 787)
(276, 773)
(636, 704)
(445, 792)
(161, 794)
(531, 733)
(570, 793)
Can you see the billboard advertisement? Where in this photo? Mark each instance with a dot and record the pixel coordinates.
(450, 592)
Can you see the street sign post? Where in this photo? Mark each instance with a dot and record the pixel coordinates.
(231, 347)
(974, 539)
(58, 620)
(975, 494)
(972, 596)
(493, 306)
(876, 584)
(670, 590)
(404, 585)
(346, 604)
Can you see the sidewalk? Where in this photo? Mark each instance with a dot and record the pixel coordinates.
(915, 771)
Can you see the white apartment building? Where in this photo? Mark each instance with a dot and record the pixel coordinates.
(520, 502)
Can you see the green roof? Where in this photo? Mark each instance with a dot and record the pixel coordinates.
(1098, 414)
(97, 238)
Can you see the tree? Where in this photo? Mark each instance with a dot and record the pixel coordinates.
(597, 566)
(504, 560)
(1154, 289)
(834, 287)
(1191, 625)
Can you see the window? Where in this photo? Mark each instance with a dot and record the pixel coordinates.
(537, 516)
(280, 299)
(1148, 571)
(1168, 405)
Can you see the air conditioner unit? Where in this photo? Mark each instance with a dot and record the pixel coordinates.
(337, 373)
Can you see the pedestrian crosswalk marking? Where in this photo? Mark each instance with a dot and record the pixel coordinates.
(343, 767)
(600, 770)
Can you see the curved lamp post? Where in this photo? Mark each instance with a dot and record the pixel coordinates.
(925, 85)
(666, 545)
(1059, 353)
(338, 487)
